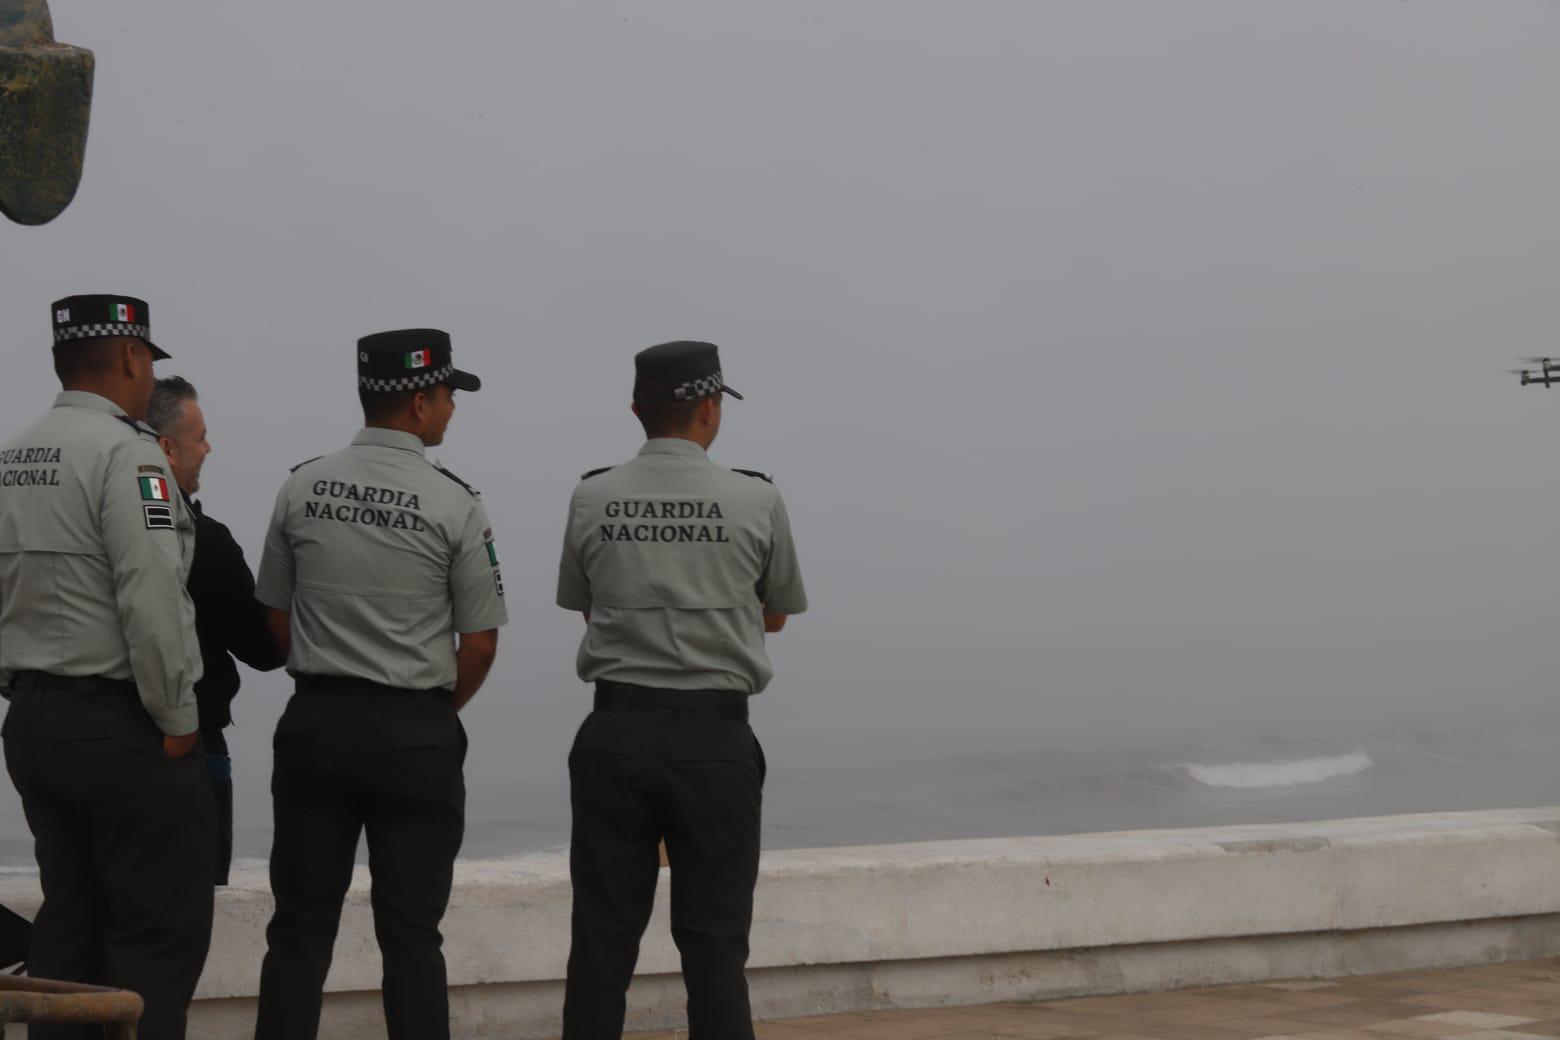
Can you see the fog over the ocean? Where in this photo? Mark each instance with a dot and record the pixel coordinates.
(1132, 370)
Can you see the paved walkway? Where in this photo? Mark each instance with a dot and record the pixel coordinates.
(1503, 1002)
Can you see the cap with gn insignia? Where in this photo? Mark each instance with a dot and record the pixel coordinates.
(684, 370)
(410, 359)
(95, 315)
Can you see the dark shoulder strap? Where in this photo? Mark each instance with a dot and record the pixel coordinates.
(471, 490)
(765, 477)
(138, 426)
(595, 472)
(304, 463)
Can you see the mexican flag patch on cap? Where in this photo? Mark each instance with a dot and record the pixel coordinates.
(154, 489)
(417, 359)
(124, 312)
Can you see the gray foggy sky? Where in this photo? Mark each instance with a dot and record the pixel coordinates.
(1127, 367)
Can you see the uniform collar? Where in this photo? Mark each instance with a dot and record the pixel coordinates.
(85, 399)
(380, 437)
(672, 446)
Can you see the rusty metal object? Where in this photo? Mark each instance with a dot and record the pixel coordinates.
(45, 104)
(44, 1000)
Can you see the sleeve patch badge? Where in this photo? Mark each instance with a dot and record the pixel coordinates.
(152, 469)
(153, 489)
(492, 551)
(158, 517)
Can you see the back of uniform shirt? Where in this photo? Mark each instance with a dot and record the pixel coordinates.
(675, 559)
(380, 558)
(79, 490)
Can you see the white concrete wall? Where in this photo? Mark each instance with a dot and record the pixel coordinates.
(969, 921)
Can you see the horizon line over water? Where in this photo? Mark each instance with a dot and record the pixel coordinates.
(890, 797)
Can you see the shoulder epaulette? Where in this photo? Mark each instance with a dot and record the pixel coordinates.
(138, 426)
(304, 463)
(594, 473)
(456, 479)
(765, 477)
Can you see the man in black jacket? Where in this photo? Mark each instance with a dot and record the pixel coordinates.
(229, 622)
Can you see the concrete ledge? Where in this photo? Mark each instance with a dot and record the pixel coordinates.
(977, 921)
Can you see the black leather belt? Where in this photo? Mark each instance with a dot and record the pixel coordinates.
(346, 684)
(705, 704)
(91, 684)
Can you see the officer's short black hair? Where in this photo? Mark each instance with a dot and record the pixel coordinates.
(166, 408)
(382, 407)
(379, 407)
(666, 418)
(86, 358)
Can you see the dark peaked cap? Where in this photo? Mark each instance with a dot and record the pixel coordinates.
(96, 315)
(683, 370)
(410, 359)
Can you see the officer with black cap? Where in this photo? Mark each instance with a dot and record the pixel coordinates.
(97, 635)
(383, 585)
(680, 568)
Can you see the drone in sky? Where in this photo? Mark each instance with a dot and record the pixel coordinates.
(1547, 375)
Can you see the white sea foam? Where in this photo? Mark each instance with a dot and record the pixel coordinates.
(1279, 774)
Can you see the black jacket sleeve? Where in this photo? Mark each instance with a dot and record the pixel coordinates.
(223, 588)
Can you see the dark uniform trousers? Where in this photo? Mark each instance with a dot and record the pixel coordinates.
(354, 757)
(643, 769)
(123, 838)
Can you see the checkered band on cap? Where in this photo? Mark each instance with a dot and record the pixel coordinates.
(399, 383)
(105, 328)
(710, 384)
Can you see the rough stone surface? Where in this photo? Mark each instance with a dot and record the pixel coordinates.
(45, 105)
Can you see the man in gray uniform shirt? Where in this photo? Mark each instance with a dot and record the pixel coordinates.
(97, 635)
(680, 567)
(383, 583)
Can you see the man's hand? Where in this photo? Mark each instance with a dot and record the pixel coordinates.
(178, 747)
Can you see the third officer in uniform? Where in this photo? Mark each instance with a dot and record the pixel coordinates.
(98, 635)
(680, 567)
(383, 580)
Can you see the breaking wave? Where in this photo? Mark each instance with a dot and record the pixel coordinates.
(1279, 774)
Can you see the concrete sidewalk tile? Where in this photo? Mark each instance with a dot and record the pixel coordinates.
(1478, 1019)
(1179, 1030)
(1464, 1001)
(1232, 1008)
(1417, 1027)
(1312, 998)
(1028, 1026)
(1263, 1026)
(1360, 1013)
(816, 1022)
(901, 1028)
(1244, 991)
